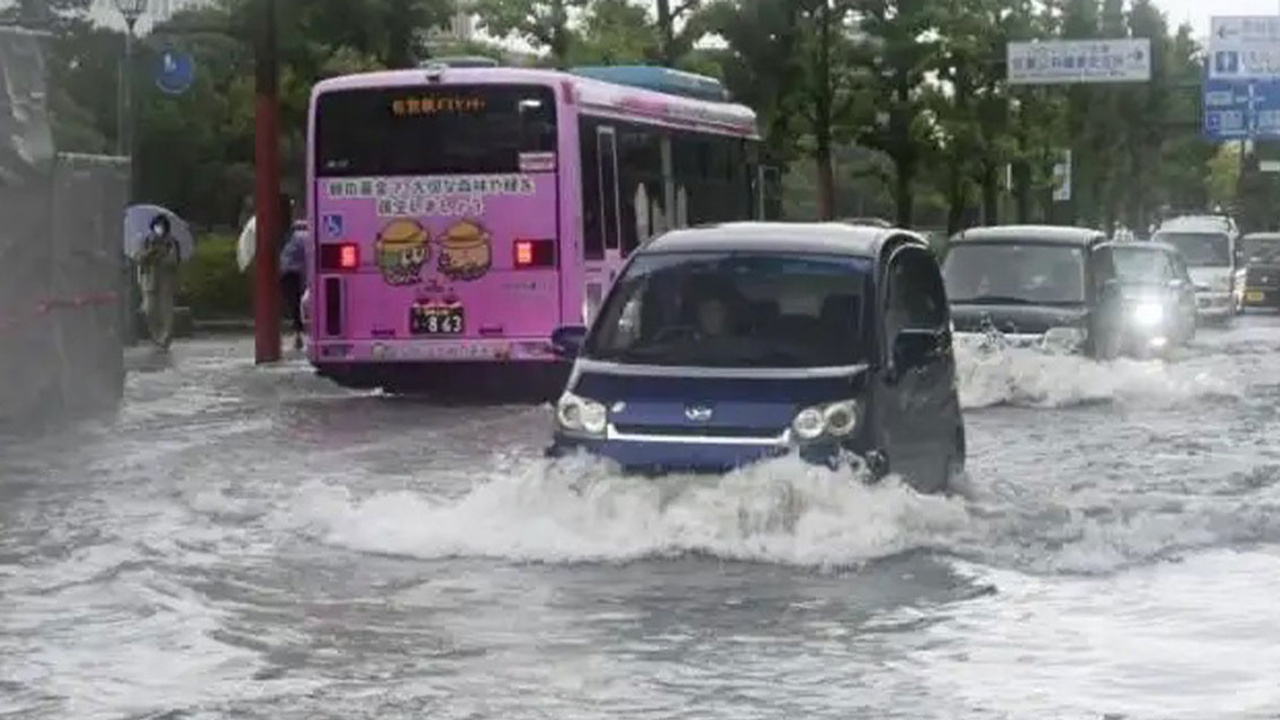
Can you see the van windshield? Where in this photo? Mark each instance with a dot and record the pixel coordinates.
(1139, 265)
(1008, 272)
(1262, 250)
(740, 310)
(1204, 249)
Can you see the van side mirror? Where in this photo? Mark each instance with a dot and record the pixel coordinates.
(567, 341)
(914, 348)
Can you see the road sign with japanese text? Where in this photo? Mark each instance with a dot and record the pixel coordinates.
(1058, 62)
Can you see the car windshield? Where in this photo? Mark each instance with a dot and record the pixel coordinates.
(1204, 249)
(1138, 265)
(1262, 250)
(741, 310)
(1004, 272)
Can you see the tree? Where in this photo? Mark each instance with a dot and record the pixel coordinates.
(759, 65)
(614, 32)
(542, 23)
(896, 55)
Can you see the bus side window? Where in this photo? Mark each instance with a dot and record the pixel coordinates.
(711, 169)
(592, 229)
(639, 166)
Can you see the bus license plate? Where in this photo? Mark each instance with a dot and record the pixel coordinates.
(436, 320)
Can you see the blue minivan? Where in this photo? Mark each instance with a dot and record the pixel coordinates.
(724, 345)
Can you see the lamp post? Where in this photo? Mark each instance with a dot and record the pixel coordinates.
(132, 10)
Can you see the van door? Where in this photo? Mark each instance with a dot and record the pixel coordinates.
(920, 407)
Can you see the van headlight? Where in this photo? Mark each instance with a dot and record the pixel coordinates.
(1148, 313)
(837, 419)
(1068, 338)
(580, 416)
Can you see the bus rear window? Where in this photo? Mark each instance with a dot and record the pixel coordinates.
(432, 129)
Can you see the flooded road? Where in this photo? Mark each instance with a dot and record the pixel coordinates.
(256, 543)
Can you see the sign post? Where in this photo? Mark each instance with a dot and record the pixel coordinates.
(1242, 83)
(266, 303)
(1077, 62)
(175, 72)
(1061, 62)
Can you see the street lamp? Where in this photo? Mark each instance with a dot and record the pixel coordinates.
(132, 10)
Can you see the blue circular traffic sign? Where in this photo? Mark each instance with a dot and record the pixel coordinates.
(176, 72)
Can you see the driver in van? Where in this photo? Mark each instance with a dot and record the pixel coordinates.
(714, 305)
(712, 317)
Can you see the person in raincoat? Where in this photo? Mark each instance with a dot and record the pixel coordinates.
(158, 279)
(293, 270)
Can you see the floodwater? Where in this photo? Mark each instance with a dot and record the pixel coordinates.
(256, 543)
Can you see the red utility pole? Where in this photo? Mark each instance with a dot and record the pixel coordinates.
(266, 305)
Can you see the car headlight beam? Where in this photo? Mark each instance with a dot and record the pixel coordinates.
(1148, 313)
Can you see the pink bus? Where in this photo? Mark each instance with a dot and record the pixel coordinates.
(461, 214)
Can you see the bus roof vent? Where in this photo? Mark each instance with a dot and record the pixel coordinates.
(659, 79)
(459, 61)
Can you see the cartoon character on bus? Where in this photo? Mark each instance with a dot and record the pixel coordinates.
(466, 251)
(402, 248)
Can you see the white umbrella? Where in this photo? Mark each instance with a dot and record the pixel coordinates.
(248, 244)
(247, 247)
(137, 225)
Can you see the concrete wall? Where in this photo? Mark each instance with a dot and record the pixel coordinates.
(61, 258)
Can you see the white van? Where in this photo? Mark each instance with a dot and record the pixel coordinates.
(1208, 244)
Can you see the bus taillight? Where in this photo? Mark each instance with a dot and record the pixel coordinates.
(339, 256)
(535, 253)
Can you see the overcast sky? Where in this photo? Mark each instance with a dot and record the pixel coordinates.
(1197, 12)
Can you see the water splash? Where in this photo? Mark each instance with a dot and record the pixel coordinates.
(577, 510)
(1030, 378)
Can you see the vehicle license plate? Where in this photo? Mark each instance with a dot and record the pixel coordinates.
(436, 319)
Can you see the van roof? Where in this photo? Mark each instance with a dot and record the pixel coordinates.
(1198, 223)
(1055, 234)
(1153, 245)
(831, 238)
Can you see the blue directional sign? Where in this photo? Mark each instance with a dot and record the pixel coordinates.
(1241, 109)
(175, 72)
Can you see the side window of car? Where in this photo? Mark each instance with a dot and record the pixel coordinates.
(917, 300)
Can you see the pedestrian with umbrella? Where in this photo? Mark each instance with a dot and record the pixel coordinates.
(158, 248)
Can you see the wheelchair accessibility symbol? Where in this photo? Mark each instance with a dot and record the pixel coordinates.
(334, 227)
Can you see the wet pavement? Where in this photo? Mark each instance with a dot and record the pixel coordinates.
(246, 542)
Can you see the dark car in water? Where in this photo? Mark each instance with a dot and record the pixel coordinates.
(1260, 253)
(1027, 285)
(1148, 300)
(726, 345)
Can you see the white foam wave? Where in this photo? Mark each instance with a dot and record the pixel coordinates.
(1026, 377)
(577, 510)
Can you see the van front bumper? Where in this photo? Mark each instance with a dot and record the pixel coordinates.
(1215, 305)
(705, 456)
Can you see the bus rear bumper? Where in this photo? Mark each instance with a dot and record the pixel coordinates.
(509, 381)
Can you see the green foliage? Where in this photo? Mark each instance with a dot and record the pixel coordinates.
(543, 24)
(895, 108)
(211, 282)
